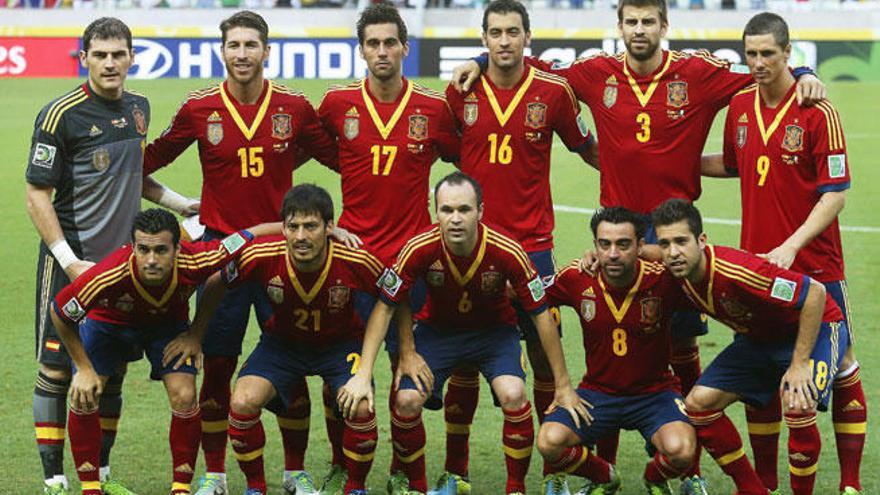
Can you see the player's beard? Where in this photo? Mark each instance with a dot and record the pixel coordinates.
(644, 55)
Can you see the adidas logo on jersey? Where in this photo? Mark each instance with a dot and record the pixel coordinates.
(215, 117)
(352, 112)
(276, 280)
(85, 467)
(743, 119)
(437, 265)
(854, 405)
(95, 131)
(589, 292)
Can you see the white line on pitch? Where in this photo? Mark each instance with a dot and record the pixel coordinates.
(712, 220)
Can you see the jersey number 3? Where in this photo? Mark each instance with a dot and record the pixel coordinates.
(644, 133)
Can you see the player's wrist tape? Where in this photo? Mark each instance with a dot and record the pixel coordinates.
(63, 254)
(173, 200)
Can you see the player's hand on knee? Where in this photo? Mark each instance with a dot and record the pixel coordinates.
(577, 407)
(589, 263)
(799, 393)
(348, 397)
(85, 390)
(413, 365)
(464, 75)
(185, 346)
(346, 237)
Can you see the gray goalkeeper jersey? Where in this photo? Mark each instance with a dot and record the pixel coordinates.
(90, 150)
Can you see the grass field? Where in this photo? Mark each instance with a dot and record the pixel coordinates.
(141, 456)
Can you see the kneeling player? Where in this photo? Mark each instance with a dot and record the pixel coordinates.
(314, 329)
(467, 319)
(790, 337)
(625, 312)
(135, 301)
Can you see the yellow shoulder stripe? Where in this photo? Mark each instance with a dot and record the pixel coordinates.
(107, 280)
(745, 271)
(411, 247)
(553, 79)
(832, 125)
(53, 116)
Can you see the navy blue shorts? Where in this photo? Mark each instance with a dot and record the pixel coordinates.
(646, 413)
(285, 364)
(839, 291)
(686, 323)
(228, 325)
(753, 370)
(364, 303)
(109, 346)
(496, 352)
(546, 266)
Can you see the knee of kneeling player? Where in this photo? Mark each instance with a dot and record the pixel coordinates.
(700, 399)
(243, 402)
(363, 410)
(408, 403)
(552, 439)
(680, 450)
(512, 397)
(183, 397)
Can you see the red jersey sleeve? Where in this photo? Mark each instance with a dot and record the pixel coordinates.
(246, 263)
(719, 78)
(730, 137)
(456, 105)
(448, 138)
(315, 139)
(559, 289)
(571, 126)
(526, 282)
(367, 270)
(828, 149)
(202, 259)
(173, 141)
(786, 289)
(75, 300)
(580, 73)
(410, 265)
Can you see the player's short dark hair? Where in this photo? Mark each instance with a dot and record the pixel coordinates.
(768, 23)
(154, 221)
(675, 210)
(457, 178)
(245, 19)
(617, 215)
(506, 7)
(380, 13)
(106, 28)
(660, 4)
(307, 199)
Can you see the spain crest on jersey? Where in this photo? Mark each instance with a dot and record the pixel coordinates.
(677, 94)
(536, 115)
(609, 96)
(215, 133)
(491, 282)
(650, 310)
(418, 127)
(275, 290)
(338, 297)
(735, 309)
(741, 134)
(101, 159)
(140, 121)
(125, 303)
(470, 113)
(793, 141)
(281, 128)
(351, 127)
(588, 309)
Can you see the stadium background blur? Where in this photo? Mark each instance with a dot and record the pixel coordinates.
(178, 51)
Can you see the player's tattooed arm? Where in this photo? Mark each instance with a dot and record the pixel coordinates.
(360, 386)
(188, 345)
(797, 386)
(565, 395)
(86, 386)
(823, 214)
(410, 362)
(174, 201)
(45, 219)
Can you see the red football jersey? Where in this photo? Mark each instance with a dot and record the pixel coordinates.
(506, 139)
(627, 333)
(787, 157)
(753, 296)
(385, 155)
(247, 152)
(652, 128)
(112, 292)
(315, 308)
(466, 293)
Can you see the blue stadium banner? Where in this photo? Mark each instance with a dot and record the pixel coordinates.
(289, 58)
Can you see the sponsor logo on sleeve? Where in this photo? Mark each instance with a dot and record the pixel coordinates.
(73, 310)
(233, 243)
(582, 125)
(44, 155)
(783, 289)
(390, 282)
(536, 287)
(230, 272)
(739, 69)
(837, 166)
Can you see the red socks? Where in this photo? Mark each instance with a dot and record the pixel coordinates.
(659, 469)
(764, 426)
(408, 440)
(459, 407)
(606, 448)
(84, 429)
(579, 461)
(294, 426)
(719, 436)
(214, 401)
(850, 415)
(335, 428)
(248, 439)
(359, 447)
(184, 436)
(804, 444)
(518, 437)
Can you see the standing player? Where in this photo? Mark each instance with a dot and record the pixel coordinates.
(87, 150)
(793, 174)
(790, 340)
(653, 110)
(389, 132)
(248, 130)
(626, 313)
(136, 301)
(466, 318)
(507, 124)
(314, 329)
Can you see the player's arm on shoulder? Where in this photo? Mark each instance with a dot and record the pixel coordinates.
(823, 214)
(166, 197)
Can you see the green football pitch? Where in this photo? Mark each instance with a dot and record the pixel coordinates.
(141, 457)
